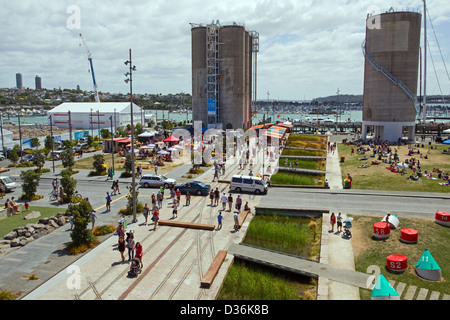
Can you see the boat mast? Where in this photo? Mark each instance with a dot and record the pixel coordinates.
(424, 109)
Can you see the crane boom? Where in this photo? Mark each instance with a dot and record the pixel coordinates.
(92, 68)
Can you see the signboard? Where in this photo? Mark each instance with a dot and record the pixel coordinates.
(211, 107)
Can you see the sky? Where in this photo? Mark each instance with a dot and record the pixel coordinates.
(308, 49)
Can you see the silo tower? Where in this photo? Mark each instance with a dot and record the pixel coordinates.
(391, 52)
(223, 75)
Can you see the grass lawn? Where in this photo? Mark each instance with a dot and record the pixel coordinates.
(432, 236)
(304, 164)
(377, 177)
(299, 179)
(293, 235)
(10, 223)
(302, 152)
(248, 281)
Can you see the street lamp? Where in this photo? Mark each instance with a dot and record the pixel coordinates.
(133, 175)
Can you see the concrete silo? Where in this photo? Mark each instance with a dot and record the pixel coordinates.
(391, 51)
(222, 72)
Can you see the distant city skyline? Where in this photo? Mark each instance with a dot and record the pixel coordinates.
(308, 49)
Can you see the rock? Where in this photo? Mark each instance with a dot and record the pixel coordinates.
(61, 221)
(11, 236)
(44, 220)
(32, 215)
(52, 223)
(15, 243)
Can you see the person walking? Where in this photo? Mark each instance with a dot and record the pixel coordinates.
(236, 221)
(93, 218)
(188, 198)
(117, 186)
(146, 211)
(108, 202)
(175, 209)
(230, 202)
(155, 216)
(339, 222)
(139, 252)
(224, 201)
(216, 197)
(332, 221)
(130, 246)
(159, 197)
(121, 247)
(238, 203)
(219, 220)
(211, 197)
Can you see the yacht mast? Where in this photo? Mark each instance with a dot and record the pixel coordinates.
(424, 109)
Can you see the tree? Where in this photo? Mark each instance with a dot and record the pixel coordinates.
(68, 183)
(13, 156)
(67, 158)
(99, 160)
(81, 217)
(39, 160)
(35, 143)
(30, 183)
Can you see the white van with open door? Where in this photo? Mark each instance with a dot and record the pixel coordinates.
(240, 183)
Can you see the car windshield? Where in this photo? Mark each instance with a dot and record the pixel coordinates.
(163, 178)
(7, 180)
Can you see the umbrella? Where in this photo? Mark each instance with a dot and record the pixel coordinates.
(348, 220)
(162, 152)
(172, 149)
(171, 138)
(446, 141)
(151, 145)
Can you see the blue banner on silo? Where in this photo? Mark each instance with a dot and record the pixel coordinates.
(211, 107)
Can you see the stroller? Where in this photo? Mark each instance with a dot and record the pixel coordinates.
(347, 226)
(135, 268)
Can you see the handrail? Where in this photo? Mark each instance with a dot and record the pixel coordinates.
(397, 82)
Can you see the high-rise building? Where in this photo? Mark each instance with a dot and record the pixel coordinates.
(38, 82)
(19, 83)
(223, 75)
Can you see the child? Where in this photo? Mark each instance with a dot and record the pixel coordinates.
(219, 220)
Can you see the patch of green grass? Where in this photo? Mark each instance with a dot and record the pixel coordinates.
(292, 235)
(299, 179)
(369, 251)
(247, 281)
(8, 224)
(377, 177)
(302, 152)
(304, 164)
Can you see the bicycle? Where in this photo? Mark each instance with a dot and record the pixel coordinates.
(53, 195)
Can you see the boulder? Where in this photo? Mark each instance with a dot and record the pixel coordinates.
(11, 236)
(52, 223)
(32, 215)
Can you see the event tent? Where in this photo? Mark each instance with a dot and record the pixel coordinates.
(171, 138)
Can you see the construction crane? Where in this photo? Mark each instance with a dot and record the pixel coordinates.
(92, 68)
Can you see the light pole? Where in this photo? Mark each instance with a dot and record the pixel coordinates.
(133, 175)
(112, 147)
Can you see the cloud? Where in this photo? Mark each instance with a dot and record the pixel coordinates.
(307, 48)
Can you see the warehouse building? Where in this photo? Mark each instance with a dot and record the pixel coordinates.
(94, 115)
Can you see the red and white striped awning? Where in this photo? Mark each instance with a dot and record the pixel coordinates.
(276, 132)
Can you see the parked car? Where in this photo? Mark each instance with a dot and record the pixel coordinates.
(194, 187)
(28, 157)
(81, 146)
(2, 157)
(155, 180)
(9, 183)
(248, 183)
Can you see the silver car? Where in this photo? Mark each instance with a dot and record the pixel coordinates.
(155, 180)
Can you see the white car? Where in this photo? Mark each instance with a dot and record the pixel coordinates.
(156, 180)
(9, 183)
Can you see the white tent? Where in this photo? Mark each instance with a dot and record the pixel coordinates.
(93, 115)
(148, 134)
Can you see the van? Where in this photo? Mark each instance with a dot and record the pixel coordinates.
(9, 183)
(240, 183)
(56, 154)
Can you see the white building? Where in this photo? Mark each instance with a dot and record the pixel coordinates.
(94, 115)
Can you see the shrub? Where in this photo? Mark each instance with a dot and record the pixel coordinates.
(102, 230)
